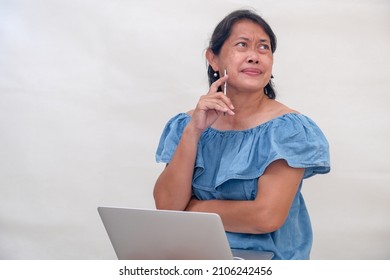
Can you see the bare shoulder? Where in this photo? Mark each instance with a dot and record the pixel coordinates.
(281, 109)
(274, 110)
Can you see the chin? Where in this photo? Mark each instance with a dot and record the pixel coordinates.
(253, 88)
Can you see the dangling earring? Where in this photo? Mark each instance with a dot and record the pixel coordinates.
(215, 74)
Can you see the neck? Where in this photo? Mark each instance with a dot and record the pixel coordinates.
(248, 103)
(248, 110)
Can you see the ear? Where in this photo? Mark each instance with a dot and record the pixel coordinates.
(212, 59)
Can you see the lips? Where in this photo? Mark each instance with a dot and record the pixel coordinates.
(252, 71)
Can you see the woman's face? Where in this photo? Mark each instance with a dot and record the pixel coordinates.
(247, 56)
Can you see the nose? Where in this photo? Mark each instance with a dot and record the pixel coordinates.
(253, 57)
(254, 61)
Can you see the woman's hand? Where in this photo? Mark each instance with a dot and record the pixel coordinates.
(211, 106)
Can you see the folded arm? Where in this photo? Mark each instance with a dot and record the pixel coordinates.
(277, 188)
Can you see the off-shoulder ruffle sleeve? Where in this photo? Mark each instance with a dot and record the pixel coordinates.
(170, 137)
(298, 140)
(244, 155)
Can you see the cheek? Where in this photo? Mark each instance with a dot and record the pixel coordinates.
(268, 60)
(234, 61)
(268, 64)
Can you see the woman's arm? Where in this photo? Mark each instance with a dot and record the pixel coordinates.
(277, 188)
(173, 188)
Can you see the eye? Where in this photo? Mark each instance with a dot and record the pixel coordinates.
(264, 47)
(241, 44)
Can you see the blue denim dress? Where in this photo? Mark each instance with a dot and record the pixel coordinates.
(229, 163)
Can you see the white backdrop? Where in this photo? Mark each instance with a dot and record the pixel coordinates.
(87, 86)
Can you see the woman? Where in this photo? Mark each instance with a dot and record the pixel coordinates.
(243, 155)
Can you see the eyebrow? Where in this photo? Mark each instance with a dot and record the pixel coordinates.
(247, 39)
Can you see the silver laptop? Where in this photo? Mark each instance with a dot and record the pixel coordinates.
(146, 234)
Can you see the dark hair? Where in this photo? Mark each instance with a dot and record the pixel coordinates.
(222, 32)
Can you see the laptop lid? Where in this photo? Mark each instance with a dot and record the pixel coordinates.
(145, 234)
